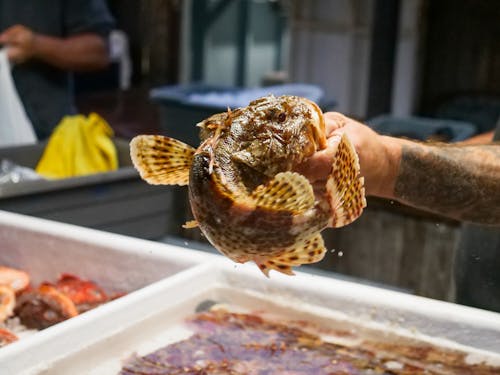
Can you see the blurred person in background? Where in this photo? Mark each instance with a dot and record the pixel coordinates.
(46, 41)
(460, 181)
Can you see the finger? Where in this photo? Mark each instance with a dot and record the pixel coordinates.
(319, 165)
(11, 54)
(334, 121)
(7, 38)
(6, 35)
(14, 55)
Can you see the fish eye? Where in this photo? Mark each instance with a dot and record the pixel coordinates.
(282, 117)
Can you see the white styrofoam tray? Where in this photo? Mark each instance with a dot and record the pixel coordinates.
(98, 341)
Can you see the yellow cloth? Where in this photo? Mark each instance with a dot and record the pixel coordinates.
(79, 146)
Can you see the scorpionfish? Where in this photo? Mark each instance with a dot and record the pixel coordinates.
(244, 193)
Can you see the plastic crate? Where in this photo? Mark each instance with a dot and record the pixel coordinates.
(118, 201)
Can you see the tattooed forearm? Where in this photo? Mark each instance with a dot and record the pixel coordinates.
(462, 182)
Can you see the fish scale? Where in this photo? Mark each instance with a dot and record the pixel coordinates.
(244, 193)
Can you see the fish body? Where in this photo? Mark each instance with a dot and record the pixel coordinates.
(244, 193)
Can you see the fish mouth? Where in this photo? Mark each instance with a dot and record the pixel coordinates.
(317, 125)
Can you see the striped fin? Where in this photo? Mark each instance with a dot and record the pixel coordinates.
(286, 191)
(345, 186)
(311, 250)
(267, 265)
(162, 160)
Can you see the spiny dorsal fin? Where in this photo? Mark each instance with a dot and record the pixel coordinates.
(162, 160)
(311, 250)
(286, 191)
(345, 186)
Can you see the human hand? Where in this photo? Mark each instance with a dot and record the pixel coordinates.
(20, 42)
(378, 155)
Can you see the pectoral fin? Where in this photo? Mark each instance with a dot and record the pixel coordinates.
(345, 186)
(286, 191)
(311, 250)
(162, 160)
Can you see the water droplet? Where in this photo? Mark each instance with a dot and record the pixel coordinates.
(332, 250)
(392, 202)
(394, 365)
(340, 253)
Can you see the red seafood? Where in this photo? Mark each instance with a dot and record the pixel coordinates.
(7, 302)
(16, 279)
(6, 337)
(44, 307)
(84, 294)
(53, 303)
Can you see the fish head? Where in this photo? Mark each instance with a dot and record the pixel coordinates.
(290, 113)
(270, 135)
(285, 126)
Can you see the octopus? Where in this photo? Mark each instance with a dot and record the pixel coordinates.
(244, 191)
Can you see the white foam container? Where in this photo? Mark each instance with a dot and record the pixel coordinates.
(168, 283)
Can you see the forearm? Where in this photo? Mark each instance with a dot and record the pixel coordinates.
(461, 182)
(77, 53)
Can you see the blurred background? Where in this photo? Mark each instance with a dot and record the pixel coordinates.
(403, 58)
(422, 69)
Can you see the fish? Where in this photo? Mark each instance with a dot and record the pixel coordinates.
(245, 194)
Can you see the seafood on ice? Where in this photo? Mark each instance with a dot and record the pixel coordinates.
(25, 307)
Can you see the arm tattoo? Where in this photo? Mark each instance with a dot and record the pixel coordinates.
(462, 182)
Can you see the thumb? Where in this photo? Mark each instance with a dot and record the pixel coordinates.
(319, 166)
(334, 121)
(6, 38)
(9, 35)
